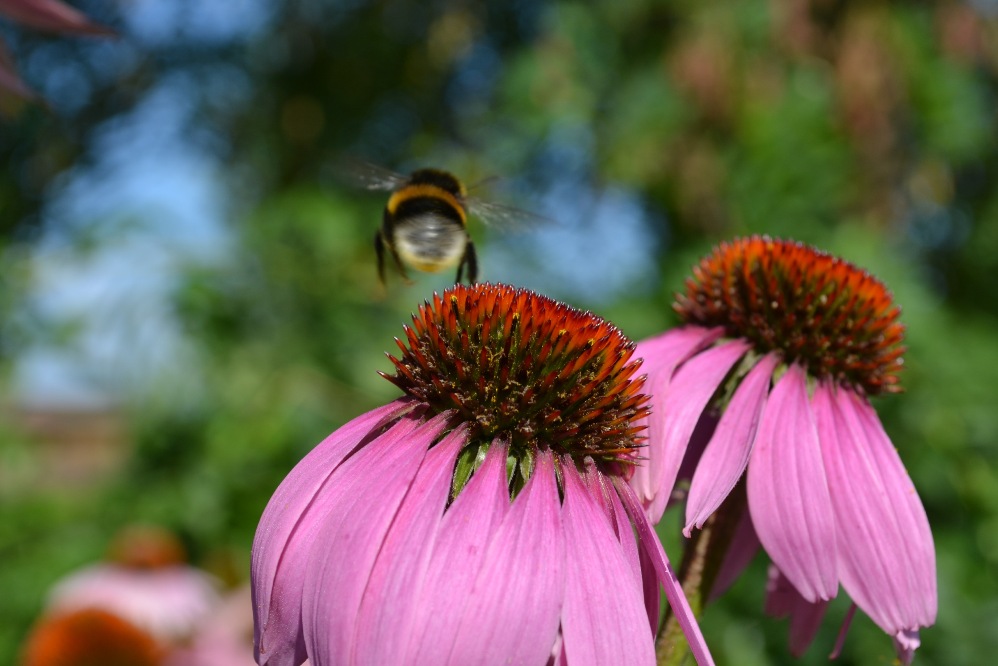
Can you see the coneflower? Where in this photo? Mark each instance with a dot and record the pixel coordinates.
(482, 518)
(146, 582)
(782, 347)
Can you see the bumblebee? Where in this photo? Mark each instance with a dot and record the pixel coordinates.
(425, 222)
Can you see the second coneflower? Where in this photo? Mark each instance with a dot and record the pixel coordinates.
(482, 518)
(781, 348)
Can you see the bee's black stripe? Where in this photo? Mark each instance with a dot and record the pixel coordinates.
(441, 179)
(428, 205)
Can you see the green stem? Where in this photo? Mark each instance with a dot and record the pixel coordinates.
(702, 560)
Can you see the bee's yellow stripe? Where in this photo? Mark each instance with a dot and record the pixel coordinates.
(416, 191)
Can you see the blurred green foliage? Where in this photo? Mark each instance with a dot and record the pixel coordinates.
(867, 129)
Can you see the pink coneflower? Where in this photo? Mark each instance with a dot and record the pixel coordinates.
(145, 582)
(484, 517)
(46, 15)
(785, 344)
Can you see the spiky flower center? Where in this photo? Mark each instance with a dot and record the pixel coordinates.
(812, 308)
(519, 366)
(90, 637)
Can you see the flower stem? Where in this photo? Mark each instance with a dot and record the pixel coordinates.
(702, 559)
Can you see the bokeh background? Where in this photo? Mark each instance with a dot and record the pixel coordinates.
(188, 299)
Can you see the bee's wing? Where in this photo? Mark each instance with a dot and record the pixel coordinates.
(505, 217)
(367, 176)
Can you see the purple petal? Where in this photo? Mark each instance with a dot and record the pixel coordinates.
(886, 554)
(394, 593)
(727, 455)
(744, 546)
(603, 620)
(694, 451)
(661, 355)
(50, 15)
(676, 413)
(788, 494)
(783, 599)
(514, 605)
(287, 528)
(362, 500)
(465, 532)
(651, 549)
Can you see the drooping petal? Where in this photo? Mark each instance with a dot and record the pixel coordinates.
(52, 16)
(394, 593)
(603, 620)
(783, 599)
(362, 500)
(651, 549)
(287, 527)
(886, 554)
(727, 454)
(694, 451)
(516, 600)
(678, 410)
(661, 355)
(460, 547)
(788, 494)
(905, 644)
(604, 494)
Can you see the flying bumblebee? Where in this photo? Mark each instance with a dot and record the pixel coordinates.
(425, 222)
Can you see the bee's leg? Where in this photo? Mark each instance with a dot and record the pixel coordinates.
(471, 259)
(380, 242)
(379, 250)
(399, 264)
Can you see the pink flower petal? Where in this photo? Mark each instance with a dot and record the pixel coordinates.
(603, 620)
(50, 15)
(651, 549)
(514, 605)
(287, 528)
(661, 355)
(727, 455)
(783, 599)
(362, 500)
(886, 554)
(676, 413)
(603, 492)
(462, 541)
(788, 494)
(394, 593)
